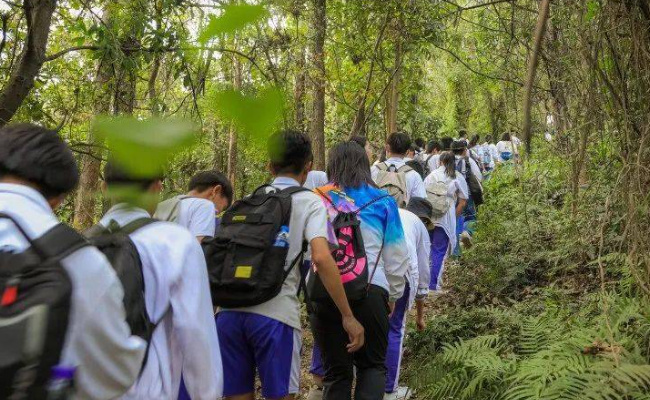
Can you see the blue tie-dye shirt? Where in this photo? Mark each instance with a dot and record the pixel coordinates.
(380, 222)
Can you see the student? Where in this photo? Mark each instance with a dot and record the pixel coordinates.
(415, 219)
(397, 145)
(433, 154)
(490, 153)
(352, 189)
(462, 136)
(505, 148)
(363, 142)
(411, 153)
(209, 193)
(462, 154)
(37, 171)
(177, 297)
(267, 337)
(443, 236)
(445, 143)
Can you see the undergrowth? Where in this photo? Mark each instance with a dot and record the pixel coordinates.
(527, 315)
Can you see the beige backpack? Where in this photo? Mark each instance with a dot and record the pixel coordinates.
(393, 180)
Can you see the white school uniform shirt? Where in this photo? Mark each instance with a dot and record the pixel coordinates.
(432, 161)
(505, 147)
(456, 189)
(414, 184)
(98, 341)
(198, 216)
(315, 179)
(177, 294)
(419, 250)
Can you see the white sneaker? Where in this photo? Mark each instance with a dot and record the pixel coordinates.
(402, 393)
(315, 393)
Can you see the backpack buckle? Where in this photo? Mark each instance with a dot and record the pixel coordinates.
(10, 294)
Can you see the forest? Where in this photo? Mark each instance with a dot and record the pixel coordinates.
(552, 302)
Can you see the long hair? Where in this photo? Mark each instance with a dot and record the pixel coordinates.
(348, 166)
(448, 161)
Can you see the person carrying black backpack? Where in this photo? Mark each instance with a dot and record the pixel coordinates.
(49, 273)
(254, 262)
(164, 273)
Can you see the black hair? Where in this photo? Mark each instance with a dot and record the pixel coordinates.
(448, 160)
(462, 133)
(458, 147)
(116, 175)
(506, 137)
(433, 145)
(489, 139)
(289, 151)
(361, 140)
(398, 142)
(205, 180)
(414, 148)
(445, 143)
(39, 156)
(348, 166)
(420, 143)
(474, 141)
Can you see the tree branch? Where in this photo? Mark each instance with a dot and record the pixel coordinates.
(63, 52)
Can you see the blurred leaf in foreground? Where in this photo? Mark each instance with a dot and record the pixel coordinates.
(255, 116)
(233, 18)
(144, 147)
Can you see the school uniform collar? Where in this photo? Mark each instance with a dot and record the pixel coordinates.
(283, 182)
(28, 193)
(123, 214)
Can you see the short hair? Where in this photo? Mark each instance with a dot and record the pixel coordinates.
(462, 133)
(205, 180)
(433, 145)
(475, 139)
(506, 137)
(398, 142)
(115, 175)
(446, 143)
(39, 156)
(488, 138)
(420, 143)
(361, 140)
(459, 147)
(289, 151)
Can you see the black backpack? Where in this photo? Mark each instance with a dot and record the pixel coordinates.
(34, 310)
(244, 266)
(350, 256)
(475, 188)
(121, 252)
(419, 167)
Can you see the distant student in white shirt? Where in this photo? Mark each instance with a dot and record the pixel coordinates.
(433, 154)
(37, 171)
(176, 293)
(415, 219)
(444, 235)
(506, 148)
(265, 339)
(209, 193)
(397, 145)
(315, 179)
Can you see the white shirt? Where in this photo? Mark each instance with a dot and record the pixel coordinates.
(315, 179)
(432, 161)
(476, 171)
(308, 221)
(505, 147)
(419, 249)
(198, 216)
(178, 295)
(456, 189)
(414, 184)
(98, 341)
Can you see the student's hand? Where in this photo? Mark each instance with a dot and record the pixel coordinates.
(356, 333)
(421, 324)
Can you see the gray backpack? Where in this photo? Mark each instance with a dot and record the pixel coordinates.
(393, 180)
(437, 196)
(169, 209)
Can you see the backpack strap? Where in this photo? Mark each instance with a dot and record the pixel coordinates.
(382, 166)
(381, 250)
(178, 204)
(371, 202)
(139, 223)
(405, 168)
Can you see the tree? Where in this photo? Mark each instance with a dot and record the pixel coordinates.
(319, 26)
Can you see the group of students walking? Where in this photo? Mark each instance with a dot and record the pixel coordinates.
(197, 296)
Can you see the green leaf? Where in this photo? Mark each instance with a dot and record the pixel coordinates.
(233, 18)
(254, 115)
(144, 147)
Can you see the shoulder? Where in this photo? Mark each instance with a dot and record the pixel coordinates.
(195, 203)
(89, 268)
(163, 233)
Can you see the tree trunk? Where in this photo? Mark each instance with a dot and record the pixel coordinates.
(532, 69)
(232, 142)
(38, 14)
(392, 95)
(319, 25)
(299, 90)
